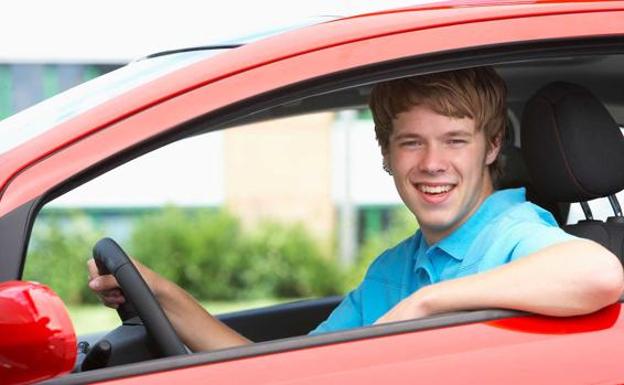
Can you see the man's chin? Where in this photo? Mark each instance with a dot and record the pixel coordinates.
(437, 229)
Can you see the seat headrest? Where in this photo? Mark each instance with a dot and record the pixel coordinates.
(573, 149)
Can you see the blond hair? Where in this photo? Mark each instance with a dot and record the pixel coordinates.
(475, 93)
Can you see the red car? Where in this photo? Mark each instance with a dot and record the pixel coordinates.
(73, 138)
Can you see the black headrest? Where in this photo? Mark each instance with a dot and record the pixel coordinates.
(573, 149)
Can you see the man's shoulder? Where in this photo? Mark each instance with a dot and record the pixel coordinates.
(517, 223)
(524, 213)
(521, 230)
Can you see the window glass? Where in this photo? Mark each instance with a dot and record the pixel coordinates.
(35, 82)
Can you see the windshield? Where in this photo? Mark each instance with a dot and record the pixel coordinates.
(41, 117)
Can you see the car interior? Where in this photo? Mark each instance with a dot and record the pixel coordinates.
(564, 144)
(578, 98)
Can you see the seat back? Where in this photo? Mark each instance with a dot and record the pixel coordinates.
(574, 152)
(610, 234)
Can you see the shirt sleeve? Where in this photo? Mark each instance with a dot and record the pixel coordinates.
(347, 315)
(537, 236)
(376, 294)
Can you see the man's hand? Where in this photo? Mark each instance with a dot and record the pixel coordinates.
(196, 327)
(107, 288)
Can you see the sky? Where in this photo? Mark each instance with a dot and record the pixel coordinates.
(122, 30)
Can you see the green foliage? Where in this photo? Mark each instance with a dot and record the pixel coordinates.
(57, 255)
(402, 225)
(209, 254)
(289, 263)
(199, 250)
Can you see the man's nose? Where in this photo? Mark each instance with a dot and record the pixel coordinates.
(433, 160)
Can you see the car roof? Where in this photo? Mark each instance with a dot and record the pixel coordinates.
(595, 72)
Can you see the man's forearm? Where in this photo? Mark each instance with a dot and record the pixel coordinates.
(570, 278)
(197, 328)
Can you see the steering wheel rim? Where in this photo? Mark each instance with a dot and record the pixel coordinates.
(110, 258)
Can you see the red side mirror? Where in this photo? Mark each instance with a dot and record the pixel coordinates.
(38, 339)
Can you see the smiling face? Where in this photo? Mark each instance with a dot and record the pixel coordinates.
(440, 168)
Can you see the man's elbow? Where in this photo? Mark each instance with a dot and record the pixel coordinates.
(605, 283)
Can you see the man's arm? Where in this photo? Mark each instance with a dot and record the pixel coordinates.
(198, 329)
(570, 278)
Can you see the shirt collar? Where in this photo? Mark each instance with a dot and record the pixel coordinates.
(422, 262)
(455, 244)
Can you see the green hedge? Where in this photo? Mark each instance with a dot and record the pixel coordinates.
(209, 254)
(59, 249)
(200, 250)
(288, 263)
(205, 251)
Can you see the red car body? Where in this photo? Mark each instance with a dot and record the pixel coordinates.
(517, 350)
(510, 351)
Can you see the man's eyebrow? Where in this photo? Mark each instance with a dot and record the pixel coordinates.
(403, 135)
(458, 134)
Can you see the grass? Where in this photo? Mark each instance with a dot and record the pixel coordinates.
(97, 318)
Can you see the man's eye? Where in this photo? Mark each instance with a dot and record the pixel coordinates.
(456, 142)
(411, 143)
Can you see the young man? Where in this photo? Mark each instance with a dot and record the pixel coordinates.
(440, 137)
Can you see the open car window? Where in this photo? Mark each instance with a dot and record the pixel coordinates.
(249, 216)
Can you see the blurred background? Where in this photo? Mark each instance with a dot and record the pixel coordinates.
(259, 214)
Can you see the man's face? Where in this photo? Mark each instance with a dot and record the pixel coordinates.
(440, 168)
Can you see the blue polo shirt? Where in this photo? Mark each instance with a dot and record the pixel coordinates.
(504, 228)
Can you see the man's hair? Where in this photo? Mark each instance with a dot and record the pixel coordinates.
(475, 93)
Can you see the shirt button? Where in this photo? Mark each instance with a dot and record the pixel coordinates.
(422, 277)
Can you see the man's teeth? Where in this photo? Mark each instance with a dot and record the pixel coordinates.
(435, 189)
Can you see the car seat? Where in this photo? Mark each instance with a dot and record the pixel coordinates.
(574, 152)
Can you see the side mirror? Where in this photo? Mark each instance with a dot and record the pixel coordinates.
(38, 339)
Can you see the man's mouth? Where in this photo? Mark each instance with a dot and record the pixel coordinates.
(434, 189)
(435, 193)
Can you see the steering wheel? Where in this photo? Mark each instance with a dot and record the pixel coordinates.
(140, 305)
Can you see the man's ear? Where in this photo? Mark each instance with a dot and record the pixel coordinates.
(494, 149)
